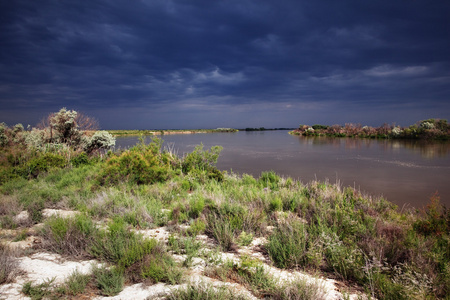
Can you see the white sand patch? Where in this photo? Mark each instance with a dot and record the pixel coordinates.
(141, 292)
(48, 212)
(43, 267)
(12, 291)
(21, 217)
(161, 234)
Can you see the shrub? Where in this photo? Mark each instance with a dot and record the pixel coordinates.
(299, 288)
(158, 266)
(203, 291)
(75, 284)
(44, 163)
(109, 280)
(72, 236)
(100, 140)
(121, 246)
(221, 229)
(270, 180)
(287, 245)
(39, 291)
(141, 165)
(201, 159)
(196, 205)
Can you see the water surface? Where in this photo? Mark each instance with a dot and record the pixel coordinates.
(404, 172)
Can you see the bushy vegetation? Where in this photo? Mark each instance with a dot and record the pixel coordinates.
(316, 227)
(63, 139)
(437, 129)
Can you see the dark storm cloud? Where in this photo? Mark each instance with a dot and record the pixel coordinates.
(175, 63)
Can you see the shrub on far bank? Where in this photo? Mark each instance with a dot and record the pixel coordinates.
(437, 129)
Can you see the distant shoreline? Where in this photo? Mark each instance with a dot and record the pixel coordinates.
(187, 131)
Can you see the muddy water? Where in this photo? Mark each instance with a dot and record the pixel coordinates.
(404, 172)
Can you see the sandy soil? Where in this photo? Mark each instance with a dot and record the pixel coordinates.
(42, 266)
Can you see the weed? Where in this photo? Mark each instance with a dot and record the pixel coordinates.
(9, 267)
(299, 288)
(221, 229)
(287, 245)
(197, 227)
(109, 280)
(75, 284)
(204, 291)
(73, 236)
(245, 239)
(39, 291)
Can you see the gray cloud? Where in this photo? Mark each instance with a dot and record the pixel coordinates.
(157, 64)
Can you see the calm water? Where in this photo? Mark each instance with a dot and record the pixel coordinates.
(404, 172)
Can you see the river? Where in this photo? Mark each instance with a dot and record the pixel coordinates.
(404, 172)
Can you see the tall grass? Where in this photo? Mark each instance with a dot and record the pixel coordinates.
(316, 226)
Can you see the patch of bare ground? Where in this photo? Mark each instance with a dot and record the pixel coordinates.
(39, 267)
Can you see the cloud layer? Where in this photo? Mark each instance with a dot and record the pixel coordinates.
(202, 64)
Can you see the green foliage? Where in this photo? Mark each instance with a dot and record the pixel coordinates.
(222, 230)
(73, 236)
(203, 291)
(436, 221)
(109, 280)
(201, 159)
(45, 163)
(287, 245)
(197, 227)
(245, 239)
(196, 205)
(269, 180)
(142, 164)
(75, 284)
(80, 159)
(39, 291)
(121, 246)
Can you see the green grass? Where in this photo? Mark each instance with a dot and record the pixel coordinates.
(317, 226)
(204, 291)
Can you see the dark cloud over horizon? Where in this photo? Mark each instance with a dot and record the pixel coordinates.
(205, 64)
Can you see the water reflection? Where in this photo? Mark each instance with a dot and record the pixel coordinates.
(405, 172)
(426, 149)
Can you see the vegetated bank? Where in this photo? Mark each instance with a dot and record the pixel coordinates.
(436, 129)
(168, 131)
(317, 227)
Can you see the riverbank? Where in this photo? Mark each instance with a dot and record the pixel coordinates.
(152, 224)
(430, 129)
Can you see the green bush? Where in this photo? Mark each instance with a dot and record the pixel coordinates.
(269, 180)
(142, 164)
(287, 245)
(203, 291)
(38, 291)
(75, 284)
(80, 159)
(73, 236)
(109, 280)
(44, 163)
(201, 159)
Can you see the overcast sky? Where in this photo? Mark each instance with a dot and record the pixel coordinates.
(160, 64)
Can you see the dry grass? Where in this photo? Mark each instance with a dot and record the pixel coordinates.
(9, 268)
